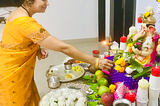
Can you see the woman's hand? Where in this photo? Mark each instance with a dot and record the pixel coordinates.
(105, 64)
(44, 53)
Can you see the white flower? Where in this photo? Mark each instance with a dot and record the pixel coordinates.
(148, 43)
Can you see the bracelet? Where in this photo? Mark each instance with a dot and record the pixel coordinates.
(97, 62)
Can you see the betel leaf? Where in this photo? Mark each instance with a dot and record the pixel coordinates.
(94, 86)
(146, 72)
(93, 96)
(89, 82)
(89, 78)
(93, 103)
(137, 66)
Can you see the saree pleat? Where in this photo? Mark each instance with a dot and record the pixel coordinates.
(17, 63)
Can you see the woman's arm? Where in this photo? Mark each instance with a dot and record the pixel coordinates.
(55, 44)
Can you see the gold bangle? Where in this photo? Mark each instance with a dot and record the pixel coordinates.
(97, 62)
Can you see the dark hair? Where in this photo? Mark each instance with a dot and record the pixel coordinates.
(23, 2)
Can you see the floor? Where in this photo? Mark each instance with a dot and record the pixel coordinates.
(56, 58)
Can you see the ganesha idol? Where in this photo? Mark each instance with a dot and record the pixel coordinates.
(146, 39)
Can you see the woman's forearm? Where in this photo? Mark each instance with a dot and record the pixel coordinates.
(55, 44)
(79, 55)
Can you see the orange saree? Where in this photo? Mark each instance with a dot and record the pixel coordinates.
(18, 50)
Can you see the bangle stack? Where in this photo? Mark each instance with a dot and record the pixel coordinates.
(97, 62)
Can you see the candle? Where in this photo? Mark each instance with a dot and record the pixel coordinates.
(123, 41)
(155, 71)
(131, 97)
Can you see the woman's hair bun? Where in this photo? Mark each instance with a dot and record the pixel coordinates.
(18, 3)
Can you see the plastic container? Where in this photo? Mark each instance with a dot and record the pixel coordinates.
(142, 94)
(95, 53)
(142, 103)
(154, 82)
(153, 97)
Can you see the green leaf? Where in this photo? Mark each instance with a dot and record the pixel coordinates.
(94, 86)
(93, 103)
(89, 82)
(93, 97)
(89, 78)
(146, 72)
(137, 66)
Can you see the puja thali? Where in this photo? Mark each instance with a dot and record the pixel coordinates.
(66, 75)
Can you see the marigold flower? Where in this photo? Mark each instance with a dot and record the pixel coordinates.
(118, 68)
(122, 69)
(113, 90)
(112, 87)
(123, 63)
(130, 50)
(130, 44)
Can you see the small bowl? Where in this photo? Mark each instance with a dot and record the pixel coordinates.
(53, 82)
(68, 65)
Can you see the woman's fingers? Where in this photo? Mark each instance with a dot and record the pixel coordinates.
(105, 64)
(44, 53)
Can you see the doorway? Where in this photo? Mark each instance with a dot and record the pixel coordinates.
(122, 17)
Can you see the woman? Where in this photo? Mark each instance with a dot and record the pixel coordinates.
(21, 39)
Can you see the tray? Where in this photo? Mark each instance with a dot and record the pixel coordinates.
(61, 72)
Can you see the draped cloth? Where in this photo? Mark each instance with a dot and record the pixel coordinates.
(18, 50)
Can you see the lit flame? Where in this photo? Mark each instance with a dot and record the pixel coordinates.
(104, 42)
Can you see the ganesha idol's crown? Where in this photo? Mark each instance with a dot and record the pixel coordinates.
(148, 16)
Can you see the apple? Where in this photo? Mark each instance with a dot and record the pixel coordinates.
(103, 89)
(107, 99)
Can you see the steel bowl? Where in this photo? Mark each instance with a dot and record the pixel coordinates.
(68, 65)
(53, 82)
(122, 102)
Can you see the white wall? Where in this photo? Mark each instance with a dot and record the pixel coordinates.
(141, 6)
(70, 19)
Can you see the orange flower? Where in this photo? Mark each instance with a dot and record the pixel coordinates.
(130, 50)
(77, 61)
(123, 63)
(112, 90)
(122, 69)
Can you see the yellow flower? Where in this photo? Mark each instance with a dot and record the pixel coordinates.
(112, 87)
(81, 62)
(146, 14)
(119, 61)
(130, 44)
(158, 0)
(118, 68)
